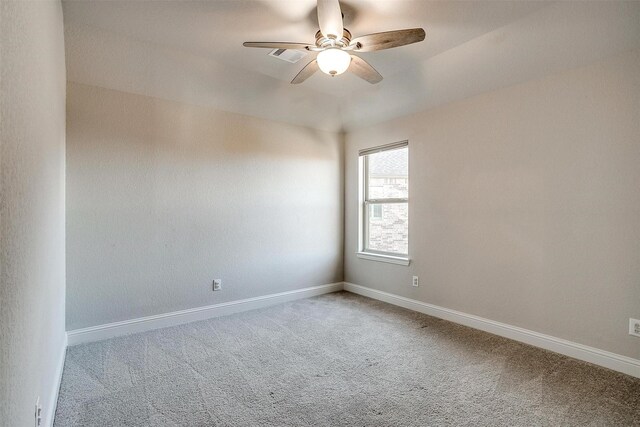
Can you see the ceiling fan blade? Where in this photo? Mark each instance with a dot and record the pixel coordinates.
(364, 70)
(330, 18)
(388, 39)
(278, 45)
(306, 72)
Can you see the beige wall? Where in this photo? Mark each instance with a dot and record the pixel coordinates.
(163, 197)
(524, 205)
(32, 136)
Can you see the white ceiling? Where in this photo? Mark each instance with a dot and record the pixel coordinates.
(192, 52)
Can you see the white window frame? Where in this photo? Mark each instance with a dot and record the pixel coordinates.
(364, 202)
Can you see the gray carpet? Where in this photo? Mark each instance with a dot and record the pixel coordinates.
(335, 360)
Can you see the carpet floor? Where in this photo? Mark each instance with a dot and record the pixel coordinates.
(335, 360)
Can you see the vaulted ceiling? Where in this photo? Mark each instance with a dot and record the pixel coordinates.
(192, 52)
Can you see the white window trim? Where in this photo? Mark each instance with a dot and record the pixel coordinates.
(391, 259)
(363, 253)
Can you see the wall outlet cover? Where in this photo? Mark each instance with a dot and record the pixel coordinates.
(217, 284)
(38, 413)
(634, 327)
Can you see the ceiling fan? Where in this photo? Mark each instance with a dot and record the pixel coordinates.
(335, 46)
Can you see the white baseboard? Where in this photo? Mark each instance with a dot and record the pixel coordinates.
(141, 324)
(593, 355)
(53, 400)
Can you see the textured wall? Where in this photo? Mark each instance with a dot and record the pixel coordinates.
(163, 197)
(32, 136)
(524, 205)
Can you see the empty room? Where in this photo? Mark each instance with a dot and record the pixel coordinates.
(319, 213)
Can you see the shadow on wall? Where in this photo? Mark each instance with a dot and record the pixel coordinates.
(196, 132)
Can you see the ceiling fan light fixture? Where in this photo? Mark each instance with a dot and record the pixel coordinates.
(333, 61)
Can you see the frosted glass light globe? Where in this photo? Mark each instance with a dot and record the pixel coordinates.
(333, 61)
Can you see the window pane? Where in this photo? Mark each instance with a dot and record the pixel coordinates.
(389, 174)
(388, 232)
(376, 212)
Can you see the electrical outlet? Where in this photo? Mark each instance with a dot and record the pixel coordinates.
(38, 413)
(217, 284)
(415, 281)
(634, 327)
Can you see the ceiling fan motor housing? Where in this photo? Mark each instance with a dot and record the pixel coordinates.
(325, 42)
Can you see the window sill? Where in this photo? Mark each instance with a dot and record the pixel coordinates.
(383, 258)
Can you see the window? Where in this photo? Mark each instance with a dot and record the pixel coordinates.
(384, 203)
